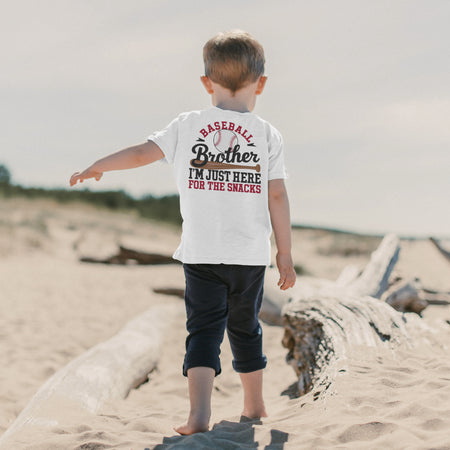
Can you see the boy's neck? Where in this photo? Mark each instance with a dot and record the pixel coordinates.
(243, 100)
(232, 106)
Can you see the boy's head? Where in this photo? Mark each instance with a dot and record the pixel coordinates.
(233, 59)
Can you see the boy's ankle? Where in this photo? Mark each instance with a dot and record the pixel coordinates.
(255, 412)
(200, 417)
(198, 422)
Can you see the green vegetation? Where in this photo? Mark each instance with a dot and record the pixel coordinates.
(165, 208)
(5, 175)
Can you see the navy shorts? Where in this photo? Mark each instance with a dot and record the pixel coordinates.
(220, 296)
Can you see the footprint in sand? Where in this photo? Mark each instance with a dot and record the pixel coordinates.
(366, 431)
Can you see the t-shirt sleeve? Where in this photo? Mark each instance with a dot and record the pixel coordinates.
(277, 168)
(167, 140)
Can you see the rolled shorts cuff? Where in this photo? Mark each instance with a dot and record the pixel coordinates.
(250, 366)
(200, 361)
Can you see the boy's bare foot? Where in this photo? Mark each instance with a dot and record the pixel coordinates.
(255, 414)
(200, 381)
(254, 407)
(193, 425)
(187, 429)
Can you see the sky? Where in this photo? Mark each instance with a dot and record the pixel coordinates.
(359, 90)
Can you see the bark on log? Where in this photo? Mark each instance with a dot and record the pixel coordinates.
(107, 371)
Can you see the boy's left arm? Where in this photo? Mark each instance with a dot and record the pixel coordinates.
(281, 224)
(128, 158)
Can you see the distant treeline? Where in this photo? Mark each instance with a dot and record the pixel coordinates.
(166, 208)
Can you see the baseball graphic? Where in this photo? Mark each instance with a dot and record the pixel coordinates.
(225, 139)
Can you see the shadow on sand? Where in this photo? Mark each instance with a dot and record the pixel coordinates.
(225, 434)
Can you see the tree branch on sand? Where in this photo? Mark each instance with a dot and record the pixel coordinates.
(445, 253)
(129, 256)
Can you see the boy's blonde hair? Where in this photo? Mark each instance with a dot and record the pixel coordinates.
(233, 59)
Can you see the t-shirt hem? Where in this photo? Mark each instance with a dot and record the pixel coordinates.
(209, 260)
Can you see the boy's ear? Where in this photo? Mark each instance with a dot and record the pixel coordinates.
(260, 86)
(207, 83)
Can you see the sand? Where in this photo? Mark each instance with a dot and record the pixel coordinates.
(53, 308)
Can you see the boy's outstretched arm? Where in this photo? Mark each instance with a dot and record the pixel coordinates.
(281, 224)
(129, 158)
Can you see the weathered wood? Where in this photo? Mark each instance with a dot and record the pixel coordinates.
(270, 312)
(146, 258)
(405, 297)
(412, 296)
(428, 290)
(326, 319)
(273, 299)
(441, 249)
(374, 279)
(349, 274)
(127, 256)
(170, 291)
(320, 330)
(107, 371)
(437, 299)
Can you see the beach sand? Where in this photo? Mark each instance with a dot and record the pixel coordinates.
(54, 308)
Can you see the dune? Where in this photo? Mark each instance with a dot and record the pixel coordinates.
(54, 308)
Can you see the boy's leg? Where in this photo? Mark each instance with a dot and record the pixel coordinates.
(206, 310)
(252, 383)
(245, 334)
(200, 381)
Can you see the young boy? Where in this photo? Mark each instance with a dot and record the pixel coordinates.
(230, 175)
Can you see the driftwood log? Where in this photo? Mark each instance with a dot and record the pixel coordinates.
(445, 253)
(409, 295)
(176, 292)
(325, 320)
(129, 256)
(437, 298)
(105, 372)
(405, 297)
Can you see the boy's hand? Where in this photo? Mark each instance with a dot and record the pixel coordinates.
(287, 272)
(88, 173)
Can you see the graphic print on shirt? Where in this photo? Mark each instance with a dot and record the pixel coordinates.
(225, 159)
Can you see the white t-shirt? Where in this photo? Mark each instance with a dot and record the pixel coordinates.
(223, 161)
